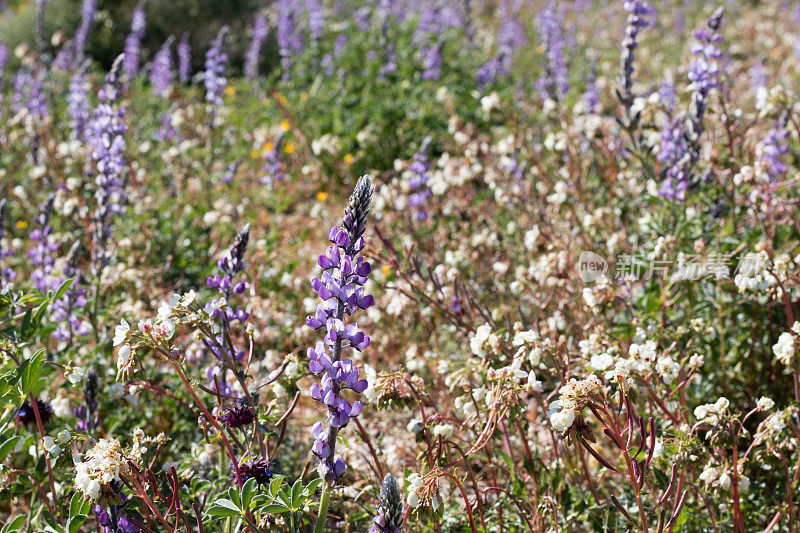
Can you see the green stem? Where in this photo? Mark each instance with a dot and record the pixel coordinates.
(324, 502)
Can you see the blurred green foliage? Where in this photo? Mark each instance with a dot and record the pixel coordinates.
(200, 19)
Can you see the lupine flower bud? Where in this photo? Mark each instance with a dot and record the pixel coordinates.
(390, 510)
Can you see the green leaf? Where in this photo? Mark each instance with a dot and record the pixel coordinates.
(285, 498)
(32, 372)
(62, 289)
(51, 521)
(13, 525)
(297, 492)
(233, 495)
(224, 508)
(5, 386)
(78, 505)
(274, 485)
(75, 522)
(8, 445)
(275, 508)
(26, 324)
(247, 492)
(312, 487)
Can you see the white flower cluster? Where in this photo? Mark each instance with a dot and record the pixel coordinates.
(561, 419)
(600, 358)
(710, 413)
(717, 477)
(572, 397)
(786, 347)
(756, 274)
(765, 404)
(484, 341)
(50, 446)
(101, 465)
(414, 484)
(443, 430)
(668, 369)
(160, 331)
(775, 423)
(712, 475)
(515, 373)
(125, 355)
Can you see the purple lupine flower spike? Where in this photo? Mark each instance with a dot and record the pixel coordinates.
(680, 147)
(316, 19)
(341, 290)
(161, 70)
(71, 56)
(113, 520)
(64, 311)
(78, 102)
(184, 59)
(29, 95)
(86, 414)
(230, 265)
(666, 94)
(106, 142)
(771, 150)
(638, 11)
(555, 81)
(290, 35)
(591, 93)
(88, 9)
(214, 75)
(259, 36)
(133, 43)
(510, 37)
(273, 167)
(43, 253)
(39, 36)
(704, 71)
(418, 181)
(433, 22)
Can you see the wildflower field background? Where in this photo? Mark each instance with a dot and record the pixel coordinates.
(399, 265)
